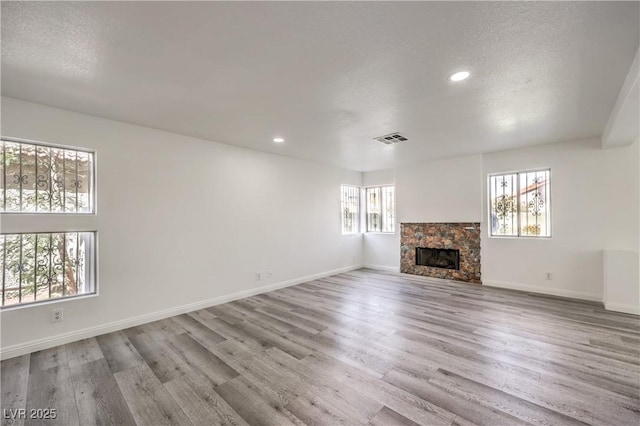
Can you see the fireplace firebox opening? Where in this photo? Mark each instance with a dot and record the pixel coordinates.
(438, 258)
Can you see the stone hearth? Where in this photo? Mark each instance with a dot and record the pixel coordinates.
(461, 236)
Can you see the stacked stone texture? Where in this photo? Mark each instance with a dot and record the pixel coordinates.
(443, 236)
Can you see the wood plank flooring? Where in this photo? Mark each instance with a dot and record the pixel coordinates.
(364, 347)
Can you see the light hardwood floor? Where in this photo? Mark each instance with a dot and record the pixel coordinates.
(364, 347)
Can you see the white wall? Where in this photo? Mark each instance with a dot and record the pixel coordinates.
(180, 221)
(381, 250)
(622, 231)
(621, 289)
(447, 190)
(621, 199)
(594, 196)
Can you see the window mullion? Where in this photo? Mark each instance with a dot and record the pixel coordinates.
(65, 260)
(20, 272)
(4, 176)
(35, 267)
(50, 277)
(518, 202)
(20, 177)
(4, 265)
(382, 207)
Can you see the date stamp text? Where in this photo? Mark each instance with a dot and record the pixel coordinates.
(33, 413)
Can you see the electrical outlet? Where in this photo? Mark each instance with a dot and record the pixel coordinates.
(549, 276)
(270, 274)
(258, 276)
(56, 315)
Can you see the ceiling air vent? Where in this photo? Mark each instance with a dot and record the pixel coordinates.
(391, 138)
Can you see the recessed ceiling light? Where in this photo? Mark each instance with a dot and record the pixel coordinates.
(459, 76)
(278, 140)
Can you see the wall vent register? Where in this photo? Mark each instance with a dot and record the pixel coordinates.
(391, 138)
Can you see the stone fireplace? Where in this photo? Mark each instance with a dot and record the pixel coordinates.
(452, 248)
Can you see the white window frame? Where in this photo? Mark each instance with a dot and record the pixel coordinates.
(518, 226)
(345, 203)
(45, 222)
(382, 205)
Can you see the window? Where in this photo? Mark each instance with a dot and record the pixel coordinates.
(519, 204)
(350, 209)
(44, 266)
(381, 210)
(37, 180)
(45, 179)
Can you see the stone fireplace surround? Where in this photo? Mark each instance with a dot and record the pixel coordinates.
(463, 236)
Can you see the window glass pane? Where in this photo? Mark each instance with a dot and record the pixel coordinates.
(374, 210)
(350, 209)
(70, 178)
(11, 173)
(2, 178)
(11, 265)
(84, 181)
(389, 209)
(534, 204)
(45, 179)
(503, 205)
(26, 177)
(44, 266)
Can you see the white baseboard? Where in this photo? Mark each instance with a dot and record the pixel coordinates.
(64, 338)
(544, 290)
(621, 307)
(383, 268)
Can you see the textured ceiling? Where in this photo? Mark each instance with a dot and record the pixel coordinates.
(329, 76)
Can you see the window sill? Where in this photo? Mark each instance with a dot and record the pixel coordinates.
(505, 237)
(51, 213)
(46, 302)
